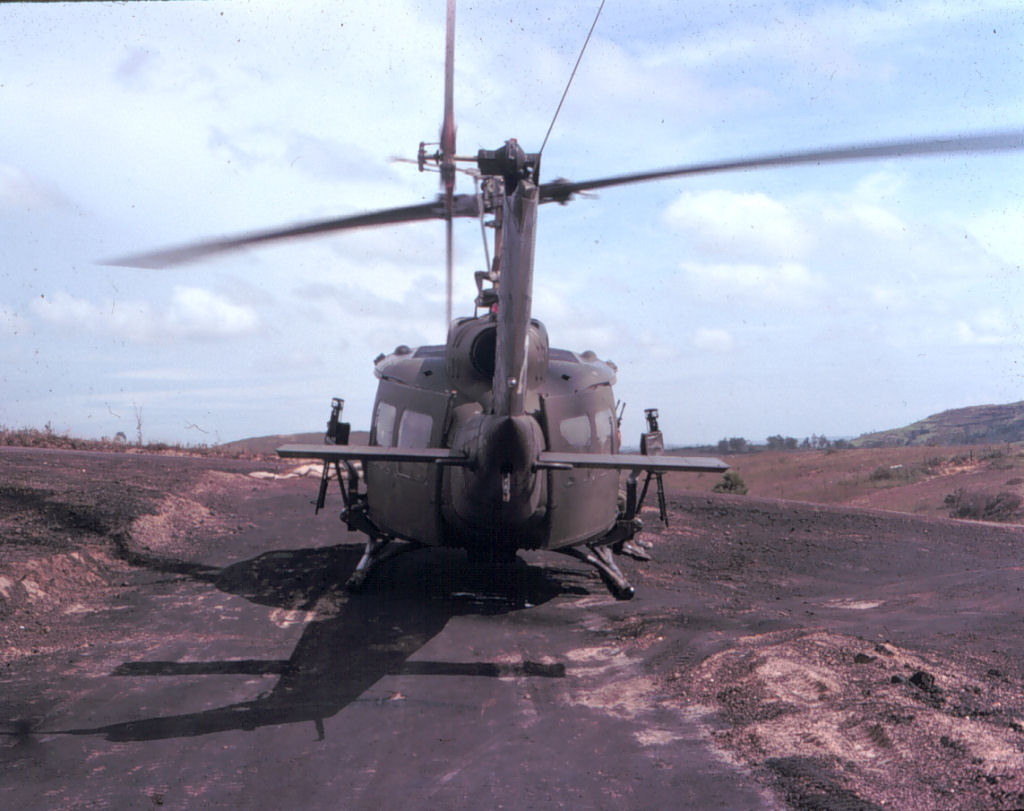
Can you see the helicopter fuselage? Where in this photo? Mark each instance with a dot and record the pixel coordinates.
(498, 499)
(495, 442)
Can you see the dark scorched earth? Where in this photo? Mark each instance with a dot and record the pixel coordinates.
(174, 630)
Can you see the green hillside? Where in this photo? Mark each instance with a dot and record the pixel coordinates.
(960, 426)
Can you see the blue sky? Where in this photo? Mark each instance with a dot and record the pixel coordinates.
(834, 300)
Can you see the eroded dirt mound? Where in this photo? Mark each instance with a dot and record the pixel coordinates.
(180, 520)
(834, 719)
(60, 548)
(38, 594)
(75, 526)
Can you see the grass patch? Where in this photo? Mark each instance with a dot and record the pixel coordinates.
(47, 438)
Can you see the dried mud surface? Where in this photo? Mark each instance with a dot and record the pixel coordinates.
(779, 654)
(879, 662)
(75, 527)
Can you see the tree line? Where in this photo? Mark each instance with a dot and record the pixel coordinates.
(778, 442)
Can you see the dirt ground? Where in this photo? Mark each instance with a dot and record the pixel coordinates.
(905, 479)
(779, 654)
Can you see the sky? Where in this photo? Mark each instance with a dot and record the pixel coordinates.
(834, 300)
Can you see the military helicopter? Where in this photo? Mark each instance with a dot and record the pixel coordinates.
(495, 441)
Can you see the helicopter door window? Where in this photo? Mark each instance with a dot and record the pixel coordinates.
(576, 432)
(415, 429)
(604, 422)
(384, 424)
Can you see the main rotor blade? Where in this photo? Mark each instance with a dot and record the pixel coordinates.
(449, 250)
(561, 190)
(462, 206)
(448, 153)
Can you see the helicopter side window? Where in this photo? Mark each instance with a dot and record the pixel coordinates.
(384, 424)
(604, 422)
(576, 432)
(415, 429)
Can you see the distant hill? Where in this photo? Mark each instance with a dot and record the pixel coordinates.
(973, 425)
(267, 445)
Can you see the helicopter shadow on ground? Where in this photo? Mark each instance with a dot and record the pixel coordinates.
(359, 638)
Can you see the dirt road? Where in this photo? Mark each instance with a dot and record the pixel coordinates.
(174, 633)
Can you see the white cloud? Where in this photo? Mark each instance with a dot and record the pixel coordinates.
(739, 225)
(20, 189)
(787, 282)
(878, 221)
(884, 184)
(195, 312)
(191, 313)
(889, 298)
(177, 373)
(1002, 232)
(713, 340)
(870, 206)
(12, 322)
(988, 327)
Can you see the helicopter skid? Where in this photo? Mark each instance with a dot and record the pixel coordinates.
(377, 550)
(602, 559)
(634, 550)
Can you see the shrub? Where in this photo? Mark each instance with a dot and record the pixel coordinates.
(983, 506)
(732, 483)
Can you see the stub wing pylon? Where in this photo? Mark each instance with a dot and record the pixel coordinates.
(631, 461)
(370, 453)
(553, 460)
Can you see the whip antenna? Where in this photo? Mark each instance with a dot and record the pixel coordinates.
(572, 75)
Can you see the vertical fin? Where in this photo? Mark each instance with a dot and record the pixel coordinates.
(515, 299)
